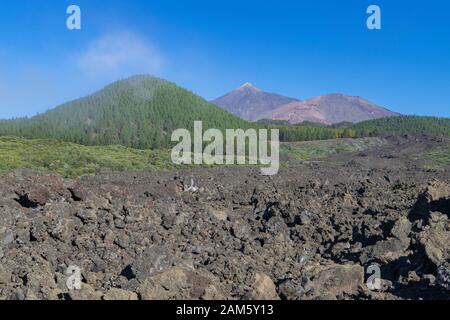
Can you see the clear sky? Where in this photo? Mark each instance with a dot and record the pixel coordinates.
(296, 48)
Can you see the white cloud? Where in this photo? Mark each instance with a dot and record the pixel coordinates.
(120, 54)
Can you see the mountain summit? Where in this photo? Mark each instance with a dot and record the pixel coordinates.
(249, 86)
(253, 104)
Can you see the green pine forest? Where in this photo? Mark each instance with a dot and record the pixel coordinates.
(141, 112)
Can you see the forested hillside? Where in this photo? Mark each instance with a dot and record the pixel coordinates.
(403, 125)
(308, 132)
(142, 112)
(139, 112)
(412, 125)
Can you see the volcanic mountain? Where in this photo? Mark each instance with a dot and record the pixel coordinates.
(331, 109)
(253, 104)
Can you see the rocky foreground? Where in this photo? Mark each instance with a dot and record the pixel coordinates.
(308, 233)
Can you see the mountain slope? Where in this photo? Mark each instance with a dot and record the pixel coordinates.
(404, 125)
(331, 109)
(251, 103)
(298, 112)
(139, 112)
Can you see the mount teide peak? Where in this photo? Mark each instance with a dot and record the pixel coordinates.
(253, 104)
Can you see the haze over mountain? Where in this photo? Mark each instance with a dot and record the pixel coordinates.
(253, 104)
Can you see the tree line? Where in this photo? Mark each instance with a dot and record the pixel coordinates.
(142, 112)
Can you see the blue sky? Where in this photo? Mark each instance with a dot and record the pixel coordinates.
(296, 48)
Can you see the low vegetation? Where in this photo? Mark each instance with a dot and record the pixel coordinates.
(439, 155)
(72, 160)
(318, 150)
